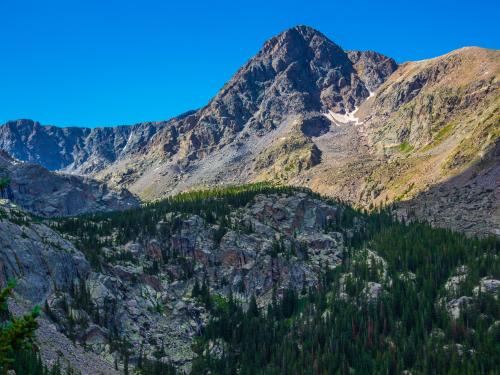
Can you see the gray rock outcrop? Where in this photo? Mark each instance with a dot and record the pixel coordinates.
(46, 193)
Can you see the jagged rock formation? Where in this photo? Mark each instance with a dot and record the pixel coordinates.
(156, 306)
(45, 193)
(73, 149)
(262, 123)
(275, 242)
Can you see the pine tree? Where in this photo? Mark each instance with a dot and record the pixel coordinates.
(15, 333)
(253, 310)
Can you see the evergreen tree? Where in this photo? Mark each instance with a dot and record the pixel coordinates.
(15, 333)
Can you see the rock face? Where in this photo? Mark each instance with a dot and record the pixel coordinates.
(372, 67)
(44, 264)
(264, 250)
(275, 242)
(36, 256)
(52, 194)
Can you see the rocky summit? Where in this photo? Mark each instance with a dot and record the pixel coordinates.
(299, 223)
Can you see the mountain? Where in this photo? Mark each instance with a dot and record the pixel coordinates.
(349, 124)
(288, 274)
(299, 73)
(46, 193)
(263, 119)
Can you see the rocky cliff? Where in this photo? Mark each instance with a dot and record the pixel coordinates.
(138, 288)
(44, 264)
(46, 193)
(148, 283)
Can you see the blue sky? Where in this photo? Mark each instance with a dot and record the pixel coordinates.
(110, 62)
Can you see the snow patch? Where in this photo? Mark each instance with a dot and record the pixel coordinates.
(348, 117)
(127, 143)
(341, 119)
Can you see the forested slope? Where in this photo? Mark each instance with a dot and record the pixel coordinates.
(264, 279)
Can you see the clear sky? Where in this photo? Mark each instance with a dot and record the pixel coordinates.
(110, 62)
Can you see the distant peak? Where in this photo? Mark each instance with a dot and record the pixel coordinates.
(297, 38)
(22, 123)
(305, 32)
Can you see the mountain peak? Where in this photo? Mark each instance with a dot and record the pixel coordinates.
(298, 38)
(307, 32)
